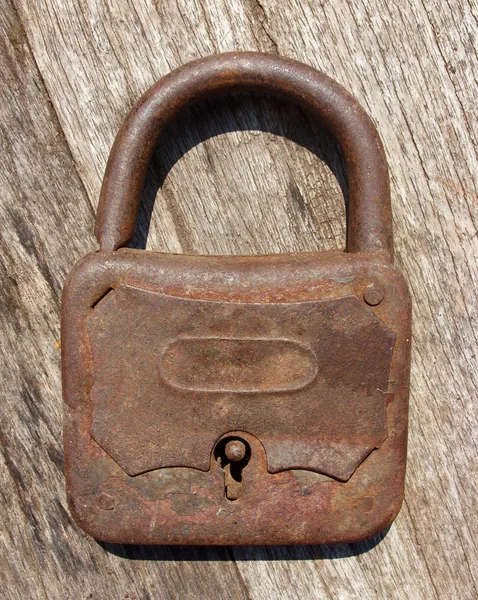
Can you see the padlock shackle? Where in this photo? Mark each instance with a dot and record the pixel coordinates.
(370, 217)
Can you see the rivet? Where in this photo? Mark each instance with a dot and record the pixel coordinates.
(235, 450)
(106, 502)
(374, 293)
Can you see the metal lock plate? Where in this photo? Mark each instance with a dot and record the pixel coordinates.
(234, 400)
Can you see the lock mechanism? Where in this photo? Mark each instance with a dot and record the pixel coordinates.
(232, 455)
(233, 399)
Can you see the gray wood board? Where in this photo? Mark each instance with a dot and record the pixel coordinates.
(241, 174)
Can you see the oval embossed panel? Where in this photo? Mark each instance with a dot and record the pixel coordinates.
(238, 365)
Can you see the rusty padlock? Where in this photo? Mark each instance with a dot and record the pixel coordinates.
(237, 399)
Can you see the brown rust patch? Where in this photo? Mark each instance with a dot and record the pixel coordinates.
(299, 369)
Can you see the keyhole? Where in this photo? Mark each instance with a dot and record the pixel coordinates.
(232, 455)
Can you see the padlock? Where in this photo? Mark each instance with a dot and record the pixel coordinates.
(238, 399)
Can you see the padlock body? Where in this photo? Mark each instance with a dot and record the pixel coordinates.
(164, 356)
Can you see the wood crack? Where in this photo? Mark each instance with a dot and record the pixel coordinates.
(447, 70)
(259, 20)
(52, 108)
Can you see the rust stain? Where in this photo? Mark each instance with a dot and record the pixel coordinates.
(207, 396)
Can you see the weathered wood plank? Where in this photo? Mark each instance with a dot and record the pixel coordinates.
(47, 221)
(241, 175)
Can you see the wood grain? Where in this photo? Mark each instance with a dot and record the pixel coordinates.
(241, 174)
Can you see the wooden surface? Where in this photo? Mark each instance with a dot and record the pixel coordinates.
(239, 175)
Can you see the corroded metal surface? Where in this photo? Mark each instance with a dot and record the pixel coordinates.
(287, 373)
(205, 396)
(370, 217)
